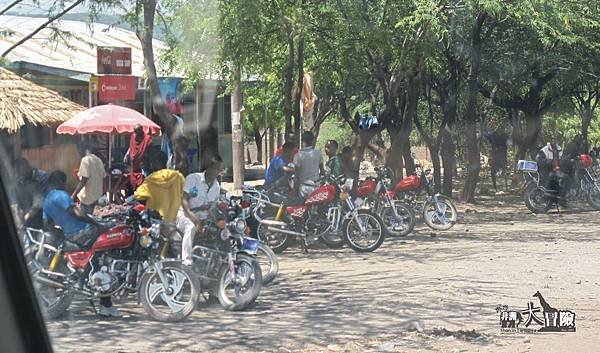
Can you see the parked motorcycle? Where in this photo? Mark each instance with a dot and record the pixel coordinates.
(226, 261)
(326, 212)
(241, 207)
(581, 183)
(130, 257)
(438, 211)
(397, 216)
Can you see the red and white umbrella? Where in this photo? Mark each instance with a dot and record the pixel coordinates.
(107, 119)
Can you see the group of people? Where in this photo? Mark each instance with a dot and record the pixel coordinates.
(307, 164)
(43, 200)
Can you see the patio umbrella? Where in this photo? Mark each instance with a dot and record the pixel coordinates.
(107, 119)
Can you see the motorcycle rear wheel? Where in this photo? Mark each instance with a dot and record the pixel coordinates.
(236, 297)
(54, 300)
(374, 230)
(174, 306)
(333, 240)
(407, 221)
(536, 200)
(278, 242)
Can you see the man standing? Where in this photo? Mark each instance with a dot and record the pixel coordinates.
(59, 209)
(549, 162)
(279, 165)
(333, 163)
(91, 179)
(199, 192)
(32, 186)
(139, 143)
(308, 164)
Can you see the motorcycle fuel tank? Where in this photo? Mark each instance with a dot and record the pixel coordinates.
(411, 182)
(323, 194)
(366, 188)
(296, 211)
(117, 237)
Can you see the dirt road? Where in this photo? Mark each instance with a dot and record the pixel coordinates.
(426, 292)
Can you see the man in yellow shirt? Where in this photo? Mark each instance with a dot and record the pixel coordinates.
(91, 179)
(162, 190)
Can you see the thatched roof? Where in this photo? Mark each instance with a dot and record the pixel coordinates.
(22, 101)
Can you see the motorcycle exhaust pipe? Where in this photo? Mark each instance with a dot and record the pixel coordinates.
(50, 282)
(271, 222)
(285, 231)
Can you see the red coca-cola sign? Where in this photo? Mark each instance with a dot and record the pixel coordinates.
(114, 60)
(114, 88)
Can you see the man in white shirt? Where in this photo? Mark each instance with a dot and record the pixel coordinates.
(91, 179)
(199, 192)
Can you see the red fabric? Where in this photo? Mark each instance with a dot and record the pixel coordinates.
(137, 150)
(136, 179)
(107, 119)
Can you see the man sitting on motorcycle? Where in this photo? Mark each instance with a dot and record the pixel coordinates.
(279, 165)
(549, 162)
(308, 164)
(78, 227)
(199, 192)
(334, 162)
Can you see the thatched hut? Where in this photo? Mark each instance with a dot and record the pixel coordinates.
(29, 114)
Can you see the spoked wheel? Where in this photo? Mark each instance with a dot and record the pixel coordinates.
(364, 232)
(239, 290)
(536, 199)
(54, 299)
(178, 300)
(439, 213)
(278, 242)
(402, 224)
(269, 265)
(593, 195)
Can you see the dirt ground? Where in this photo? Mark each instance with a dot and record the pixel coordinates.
(428, 292)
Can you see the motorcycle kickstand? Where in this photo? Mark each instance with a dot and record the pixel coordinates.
(93, 306)
(304, 246)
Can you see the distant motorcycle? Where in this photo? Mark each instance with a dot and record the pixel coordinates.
(581, 183)
(130, 257)
(438, 211)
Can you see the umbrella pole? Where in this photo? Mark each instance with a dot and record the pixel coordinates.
(110, 167)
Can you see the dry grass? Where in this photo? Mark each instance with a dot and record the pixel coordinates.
(23, 101)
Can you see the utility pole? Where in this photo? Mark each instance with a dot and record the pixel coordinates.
(237, 131)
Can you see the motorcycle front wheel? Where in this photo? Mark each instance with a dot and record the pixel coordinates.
(403, 224)
(364, 232)
(440, 214)
(536, 199)
(593, 196)
(269, 266)
(176, 302)
(238, 291)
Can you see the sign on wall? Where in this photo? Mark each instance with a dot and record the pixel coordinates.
(113, 88)
(114, 60)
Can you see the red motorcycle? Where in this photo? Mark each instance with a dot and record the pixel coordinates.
(130, 257)
(438, 211)
(326, 212)
(397, 216)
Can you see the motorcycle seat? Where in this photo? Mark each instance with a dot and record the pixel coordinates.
(293, 201)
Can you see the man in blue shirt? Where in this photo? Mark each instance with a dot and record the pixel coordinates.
(60, 209)
(279, 165)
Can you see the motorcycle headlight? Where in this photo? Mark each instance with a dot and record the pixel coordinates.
(145, 241)
(225, 234)
(240, 225)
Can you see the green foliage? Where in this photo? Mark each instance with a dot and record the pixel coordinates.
(334, 129)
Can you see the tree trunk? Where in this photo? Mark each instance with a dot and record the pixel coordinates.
(272, 133)
(258, 140)
(472, 145)
(448, 161)
(167, 121)
(533, 129)
(289, 83)
(237, 131)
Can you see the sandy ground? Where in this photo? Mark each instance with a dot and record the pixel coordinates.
(428, 292)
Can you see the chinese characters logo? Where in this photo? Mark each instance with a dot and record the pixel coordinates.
(550, 319)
